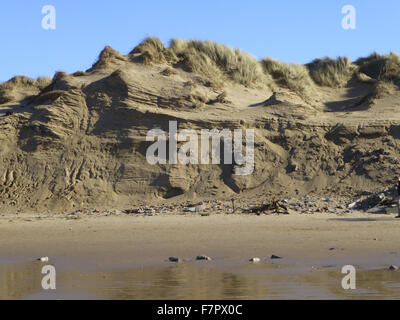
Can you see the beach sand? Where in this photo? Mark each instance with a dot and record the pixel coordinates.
(313, 248)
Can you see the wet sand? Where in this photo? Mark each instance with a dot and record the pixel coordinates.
(125, 257)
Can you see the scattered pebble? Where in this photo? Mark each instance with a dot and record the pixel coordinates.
(43, 259)
(203, 258)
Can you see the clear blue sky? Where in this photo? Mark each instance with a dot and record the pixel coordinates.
(289, 30)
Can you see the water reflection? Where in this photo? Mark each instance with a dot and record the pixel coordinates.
(371, 284)
(182, 281)
(188, 281)
(17, 281)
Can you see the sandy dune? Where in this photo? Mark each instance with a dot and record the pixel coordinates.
(79, 140)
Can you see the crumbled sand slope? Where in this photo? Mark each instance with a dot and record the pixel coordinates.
(80, 141)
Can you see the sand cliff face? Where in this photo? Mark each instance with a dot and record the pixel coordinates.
(81, 140)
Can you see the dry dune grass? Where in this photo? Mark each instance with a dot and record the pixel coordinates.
(59, 75)
(381, 67)
(23, 81)
(292, 76)
(150, 43)
(216, 61)
(219, 63)
(150, 50)
(18, 80)
(207, 57)
(21, 86)
(332, 72)
(382, 89)
(43, 82)
(106, 57)
(195, 61)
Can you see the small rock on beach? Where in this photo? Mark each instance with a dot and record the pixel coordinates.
(43, 259)
(203, 257)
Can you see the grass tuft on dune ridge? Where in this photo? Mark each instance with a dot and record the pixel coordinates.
(292, 76)
(239, 66)
(150, 50)
(214, 60)
(19, 86)
(331, 72)
(381, 67)
(43, 82)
